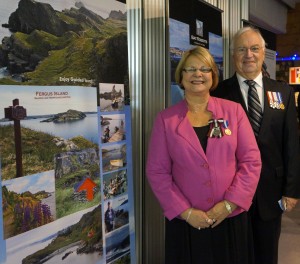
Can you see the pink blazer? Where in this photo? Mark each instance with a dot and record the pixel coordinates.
(181, 175)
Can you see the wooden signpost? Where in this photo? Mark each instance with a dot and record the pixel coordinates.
(17, 113)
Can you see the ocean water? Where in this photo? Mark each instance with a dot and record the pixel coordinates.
(87, 127)
(74, 258)
(18, 247)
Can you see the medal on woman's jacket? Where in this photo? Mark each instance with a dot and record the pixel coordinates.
(215, 128)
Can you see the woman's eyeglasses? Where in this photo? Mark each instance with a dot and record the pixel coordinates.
(203, 69)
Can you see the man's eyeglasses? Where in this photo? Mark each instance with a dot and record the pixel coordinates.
(203, 69)
(243, 50)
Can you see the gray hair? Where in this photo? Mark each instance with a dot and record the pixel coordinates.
(242, 31)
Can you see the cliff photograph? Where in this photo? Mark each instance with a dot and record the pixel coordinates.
(82, 45)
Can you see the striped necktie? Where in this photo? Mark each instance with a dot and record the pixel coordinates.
(254, 107)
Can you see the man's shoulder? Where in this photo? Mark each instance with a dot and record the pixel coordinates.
(276, 83)
(233, 80)
(225, 87)
(277, 86)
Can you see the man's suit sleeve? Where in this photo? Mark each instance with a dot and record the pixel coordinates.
(291, 152)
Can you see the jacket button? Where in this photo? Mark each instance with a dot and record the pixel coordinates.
(205, 165)
(208, 183)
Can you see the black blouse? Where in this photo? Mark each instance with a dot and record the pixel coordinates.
(202, 135)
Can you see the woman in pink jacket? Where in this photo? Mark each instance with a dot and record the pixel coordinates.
(203, 166)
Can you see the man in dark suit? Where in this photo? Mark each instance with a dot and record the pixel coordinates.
(109, 218)
(275, 126)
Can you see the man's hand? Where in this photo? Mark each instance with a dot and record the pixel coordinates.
(289, 202)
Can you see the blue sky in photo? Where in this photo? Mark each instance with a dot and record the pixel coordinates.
(79, 98)
(34, 183)
(179, 35)
(215, 45)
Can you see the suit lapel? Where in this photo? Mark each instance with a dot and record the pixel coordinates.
(265, 123)
(236, 94)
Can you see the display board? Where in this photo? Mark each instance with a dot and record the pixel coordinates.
(65, 132)
(193, 23)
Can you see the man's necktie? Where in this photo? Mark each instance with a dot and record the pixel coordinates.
(254, 107)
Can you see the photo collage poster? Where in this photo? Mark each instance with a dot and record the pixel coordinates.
(116, 170)
(190, 25)
(52, 169)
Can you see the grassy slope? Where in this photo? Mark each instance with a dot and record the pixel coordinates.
(72, 55)
(38, 150)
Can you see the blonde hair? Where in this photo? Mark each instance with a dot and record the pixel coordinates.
(204, 56)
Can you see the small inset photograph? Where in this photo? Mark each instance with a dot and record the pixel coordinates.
(118, 245)
(113, 157)
(112, 128)
(199, 28)
(111, 96)
(77, 181)
(116, 213)
(28, 202)
(114, 184)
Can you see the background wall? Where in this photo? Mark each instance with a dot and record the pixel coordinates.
(271, 14)
(288, 44)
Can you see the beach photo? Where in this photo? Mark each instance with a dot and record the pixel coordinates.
(112, 128)
(111, 97)
(113, 157)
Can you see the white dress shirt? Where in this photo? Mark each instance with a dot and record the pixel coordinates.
(259, 87)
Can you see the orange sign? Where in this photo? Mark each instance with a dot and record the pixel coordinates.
(294, 76)
(87, 185)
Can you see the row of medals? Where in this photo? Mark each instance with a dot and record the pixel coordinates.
(277, 105)
(217, 131)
